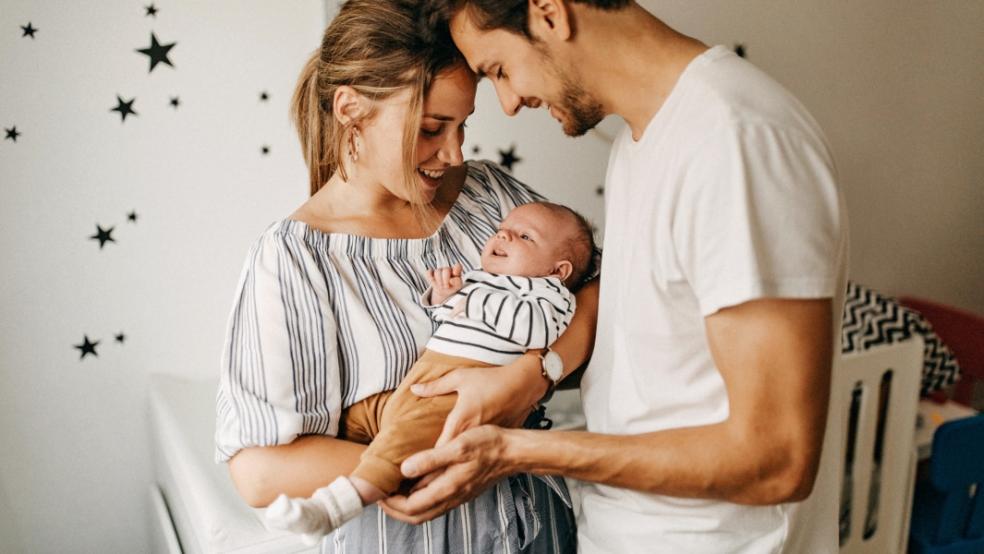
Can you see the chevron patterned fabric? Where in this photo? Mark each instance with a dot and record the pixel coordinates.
(871, 319)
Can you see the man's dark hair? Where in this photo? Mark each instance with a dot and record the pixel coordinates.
(509, 15)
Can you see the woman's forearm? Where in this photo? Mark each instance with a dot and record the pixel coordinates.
(577, 342)
(296, 469)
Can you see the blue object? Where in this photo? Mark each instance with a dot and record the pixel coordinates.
(948, 509)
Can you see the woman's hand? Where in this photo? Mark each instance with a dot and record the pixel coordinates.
(453, 474)
(498, 395)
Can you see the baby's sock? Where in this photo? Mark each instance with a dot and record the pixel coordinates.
(327, 509)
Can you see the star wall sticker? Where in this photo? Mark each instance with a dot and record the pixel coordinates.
(508, 157)
(157, 52)
(87, 347)
(265, 150)
(740, 50)
(103, 236)
(151, 11)
(476, 149)
(132, 216)
(29, 30)
(175, 102)
(125, 107)
(264, 96)
(600, 191)
(12, 133)
(120, 337)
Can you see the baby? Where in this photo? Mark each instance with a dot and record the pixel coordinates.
(517, 302)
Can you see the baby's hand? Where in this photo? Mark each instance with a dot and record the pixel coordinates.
(444, 282)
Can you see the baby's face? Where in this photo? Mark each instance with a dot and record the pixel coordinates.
(528, 242)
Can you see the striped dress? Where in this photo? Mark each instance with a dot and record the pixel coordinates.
(321, 321)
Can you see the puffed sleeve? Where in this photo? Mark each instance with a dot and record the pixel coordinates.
(279, 374)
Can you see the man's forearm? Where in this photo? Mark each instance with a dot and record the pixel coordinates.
(711, 461)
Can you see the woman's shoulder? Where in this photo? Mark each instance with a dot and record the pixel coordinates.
(283, 235)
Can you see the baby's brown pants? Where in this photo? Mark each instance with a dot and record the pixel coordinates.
(396, 424)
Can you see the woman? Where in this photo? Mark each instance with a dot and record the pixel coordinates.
(327, 311)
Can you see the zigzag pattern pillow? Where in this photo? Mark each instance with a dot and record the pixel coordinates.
(871, 319)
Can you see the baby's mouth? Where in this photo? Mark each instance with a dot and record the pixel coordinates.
(498, 253)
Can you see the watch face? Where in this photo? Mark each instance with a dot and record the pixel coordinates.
(553, 365)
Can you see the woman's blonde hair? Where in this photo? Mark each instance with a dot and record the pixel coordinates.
(379, 48)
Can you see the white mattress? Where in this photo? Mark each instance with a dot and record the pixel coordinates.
(208, 514)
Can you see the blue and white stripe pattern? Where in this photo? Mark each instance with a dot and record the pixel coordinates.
(321, 321)
(503, 316)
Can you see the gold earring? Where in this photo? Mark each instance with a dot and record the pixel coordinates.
(355, 144)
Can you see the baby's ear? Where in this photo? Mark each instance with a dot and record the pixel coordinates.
(562, 270)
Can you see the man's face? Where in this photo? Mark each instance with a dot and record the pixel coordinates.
(525, 74)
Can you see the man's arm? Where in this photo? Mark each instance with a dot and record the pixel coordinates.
(775, 358)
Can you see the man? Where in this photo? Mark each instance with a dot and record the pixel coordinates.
(721, 291)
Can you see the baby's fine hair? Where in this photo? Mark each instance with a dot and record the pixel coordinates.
(579, 245)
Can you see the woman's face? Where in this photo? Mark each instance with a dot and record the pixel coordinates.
(442, 129)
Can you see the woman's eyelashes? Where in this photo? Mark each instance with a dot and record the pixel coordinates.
(439, 130)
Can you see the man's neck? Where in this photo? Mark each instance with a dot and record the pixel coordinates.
(631, 61)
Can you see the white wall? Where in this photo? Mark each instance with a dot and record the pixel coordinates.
(74, 464)
(896, 85)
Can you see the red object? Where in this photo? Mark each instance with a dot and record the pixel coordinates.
(963, 333)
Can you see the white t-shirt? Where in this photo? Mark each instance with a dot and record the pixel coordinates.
(730, 195)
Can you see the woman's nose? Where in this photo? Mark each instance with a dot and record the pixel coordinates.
(450, 152)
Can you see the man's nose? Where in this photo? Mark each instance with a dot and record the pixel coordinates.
(509, 100)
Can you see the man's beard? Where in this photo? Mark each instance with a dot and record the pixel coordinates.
(582, 112)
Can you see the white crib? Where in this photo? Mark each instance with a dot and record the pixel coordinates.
(196, 510)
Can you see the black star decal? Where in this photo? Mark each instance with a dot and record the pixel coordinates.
(740, 50)
(157, 52)
(103, 236)
(87, 347)
(175, 102)
(476, 149)
(29, 30)
(508, 157)
(151, 10)
(600, 191)
(264, 96)
(265, 150)
(120, 338)
(124, 107)
(132, 216)
(12, 133)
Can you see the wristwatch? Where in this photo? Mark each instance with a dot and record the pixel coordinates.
(551, 367)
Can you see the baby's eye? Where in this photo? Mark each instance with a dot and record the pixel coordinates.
(524, 236)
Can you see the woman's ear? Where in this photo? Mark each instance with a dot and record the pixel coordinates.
(549, 20)
(349, 105)
(562, 270)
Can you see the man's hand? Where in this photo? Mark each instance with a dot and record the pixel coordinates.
(444, 282)
(454, 474)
